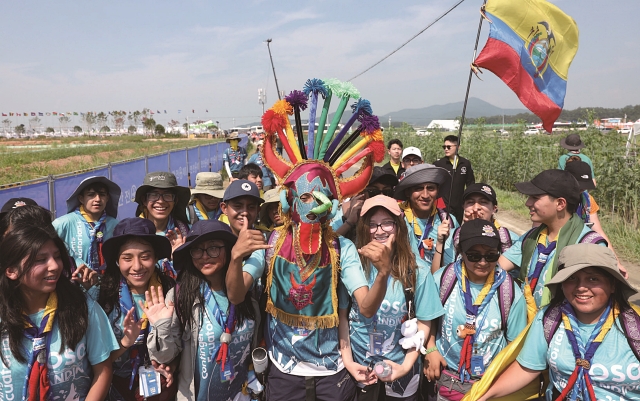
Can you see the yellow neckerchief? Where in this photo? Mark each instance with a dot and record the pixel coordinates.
(411, 218)
(224, 219)
(453, 161)
(485, 288)
(394, 166)
(202, 210)
(85, 214)
(496, 224)
(49, 309)
(613, 314)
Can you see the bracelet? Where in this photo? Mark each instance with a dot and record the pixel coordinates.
(122, 346)
(436, 251)
(430, 350)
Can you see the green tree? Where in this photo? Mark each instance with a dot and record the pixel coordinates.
(160, 129)
(101, 120)
(132, 129)
(7, 124)
(64, 122)
(149, 124)
(89, 120)
(49, 129)
(105, 129)
(77, 128)
(590, 116)
(20, 129)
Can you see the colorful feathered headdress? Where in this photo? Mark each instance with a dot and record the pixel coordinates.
(333, 151)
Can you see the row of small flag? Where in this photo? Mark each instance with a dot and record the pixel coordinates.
(75, 113)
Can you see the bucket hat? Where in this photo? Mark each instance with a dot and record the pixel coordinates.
(576, 257)
(209, 183)
(271, 196)
(572, 142)
(135, 227)
(420, 174)
(164, 180)
(113, 189)
(203, 230)
(233, 135)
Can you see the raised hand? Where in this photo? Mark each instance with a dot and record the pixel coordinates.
(379, 254)
(176, 238)
(249, 240)
(156, 309)
(443, 231)
(85, 276)
(131, 329)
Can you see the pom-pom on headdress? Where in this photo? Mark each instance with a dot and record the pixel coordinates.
(334, 151)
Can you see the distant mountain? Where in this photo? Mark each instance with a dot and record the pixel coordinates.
(423, 116)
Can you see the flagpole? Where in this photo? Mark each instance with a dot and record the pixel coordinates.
(464, 109)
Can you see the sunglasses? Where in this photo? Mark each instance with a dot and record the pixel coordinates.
(476, 257)
(412, 161)
(371, 192)
(447, 147)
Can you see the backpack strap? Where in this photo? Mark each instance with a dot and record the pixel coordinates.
(551, 321)
(505, 239)
(456, 241)
(593, 237)
(631, 324)
(193, 217)
(444, 216)
(506, 293)
(447, 282)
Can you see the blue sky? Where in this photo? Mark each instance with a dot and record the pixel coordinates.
(196, 54)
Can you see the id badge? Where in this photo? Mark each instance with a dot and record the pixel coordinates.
(39, 343)
(471, 320)
(375, 342)
(301, 331)
(149, 381)
(542, 258)
(477, 365)
(228, 373)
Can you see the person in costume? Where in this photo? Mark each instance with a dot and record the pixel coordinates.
(56, 341)
(268, 181)
(91, 215)
(206, 197)
(428, 225)
(586, 337)
(234, 157)
(131, 257)
(588, 208)
(480, 202)
(484, 308)
(311, 270)
(553, 197)
(460, 181)
(198, 325)
(269, 217)
(161, 200)
(394, 165)
(386, 255)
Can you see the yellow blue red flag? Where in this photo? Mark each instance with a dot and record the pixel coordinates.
(530, 47)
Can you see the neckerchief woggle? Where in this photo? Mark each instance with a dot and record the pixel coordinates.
(37, 385)
(416, 226)
(544, 251)
(579, 383)
(96, 236)
(139, 353)
(473, 310)
(226, 322)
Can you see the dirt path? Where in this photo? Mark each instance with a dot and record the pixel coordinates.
(520, 225)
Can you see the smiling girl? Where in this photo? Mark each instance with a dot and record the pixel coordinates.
(55, 341)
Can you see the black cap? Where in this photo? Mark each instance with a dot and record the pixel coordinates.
(15, 203)
(200, 231)
(382, 176)
(581, 171)
(482, 189)
(240, 188)
(139, 228)
(474, 232)
(557, 183)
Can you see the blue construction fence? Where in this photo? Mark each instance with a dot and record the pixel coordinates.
(52, 192)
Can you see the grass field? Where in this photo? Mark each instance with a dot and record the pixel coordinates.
(18, 165)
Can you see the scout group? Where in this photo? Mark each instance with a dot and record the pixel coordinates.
(331, 285)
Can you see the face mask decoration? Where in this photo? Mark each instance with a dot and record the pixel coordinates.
(234, 144)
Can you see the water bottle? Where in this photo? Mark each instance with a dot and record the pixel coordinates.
(382, 370)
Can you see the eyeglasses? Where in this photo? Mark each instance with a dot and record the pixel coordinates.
(476, 257)
(386, 226)
(447, 147)
(375, 192)
(412, 160)
(212, 251)
(167, 196)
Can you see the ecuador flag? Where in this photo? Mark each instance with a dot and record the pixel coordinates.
(530, 47)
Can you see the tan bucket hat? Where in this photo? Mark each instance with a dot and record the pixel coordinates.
(208, 183)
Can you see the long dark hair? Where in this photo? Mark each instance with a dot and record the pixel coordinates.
(23, 242)
(190, 280)
(110, 283)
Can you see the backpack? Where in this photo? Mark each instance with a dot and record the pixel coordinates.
(506, 292)
(193, 217)
(630, 320)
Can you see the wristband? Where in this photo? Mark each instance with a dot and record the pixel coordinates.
(122, 346)
(430, 350)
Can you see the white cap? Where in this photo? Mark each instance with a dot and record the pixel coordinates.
(411, 150)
